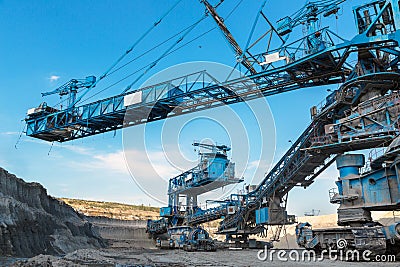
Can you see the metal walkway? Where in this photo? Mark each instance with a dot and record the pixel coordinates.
(302, 163)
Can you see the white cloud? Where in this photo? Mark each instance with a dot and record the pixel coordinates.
(149, 170)
(151, 164)
(10, 133)
(54, 78)
(258, 164)
(112, 161)
(77, 149)
(144, 164)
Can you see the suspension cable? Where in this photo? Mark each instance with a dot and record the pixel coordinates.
(169, 53)
(149, 50)
(252, 30)
(128, 51)
(154, 63)
(142, 68)
(129, 62)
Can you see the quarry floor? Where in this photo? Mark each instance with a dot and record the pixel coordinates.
(29, 217)
(128, 253)
(128, 245)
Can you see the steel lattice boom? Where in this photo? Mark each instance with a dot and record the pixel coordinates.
(362, 114)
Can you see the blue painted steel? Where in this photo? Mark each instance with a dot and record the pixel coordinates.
(297, 167)
(367, 123)
(349, 165)
(157, 226)
(165, 211)
(321, 67)
(210, 214)
(392, 232)
(304, 235)
(313, 60)
(213, 171)
(262, 216)
(71, 89)
(308, 15)
(284, 26)
(376, 189)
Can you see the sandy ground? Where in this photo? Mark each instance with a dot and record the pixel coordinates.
(124, 254)
(139, 251)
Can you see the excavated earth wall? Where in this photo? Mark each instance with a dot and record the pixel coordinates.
(32, 223)
(132, 232)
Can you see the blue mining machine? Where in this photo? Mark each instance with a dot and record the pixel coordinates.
(362, 113)
(374, 188)
(176, 228)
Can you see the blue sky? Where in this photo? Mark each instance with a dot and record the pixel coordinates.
(46, 43)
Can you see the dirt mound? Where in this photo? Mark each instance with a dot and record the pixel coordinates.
(31, 222)
(113, 210)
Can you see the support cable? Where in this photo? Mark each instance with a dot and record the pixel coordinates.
(129, 62)
(149, 50)
(128, 51)
(142, 68)
(252, 30)
(20, 134)
(155, 62)
(171, 52)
